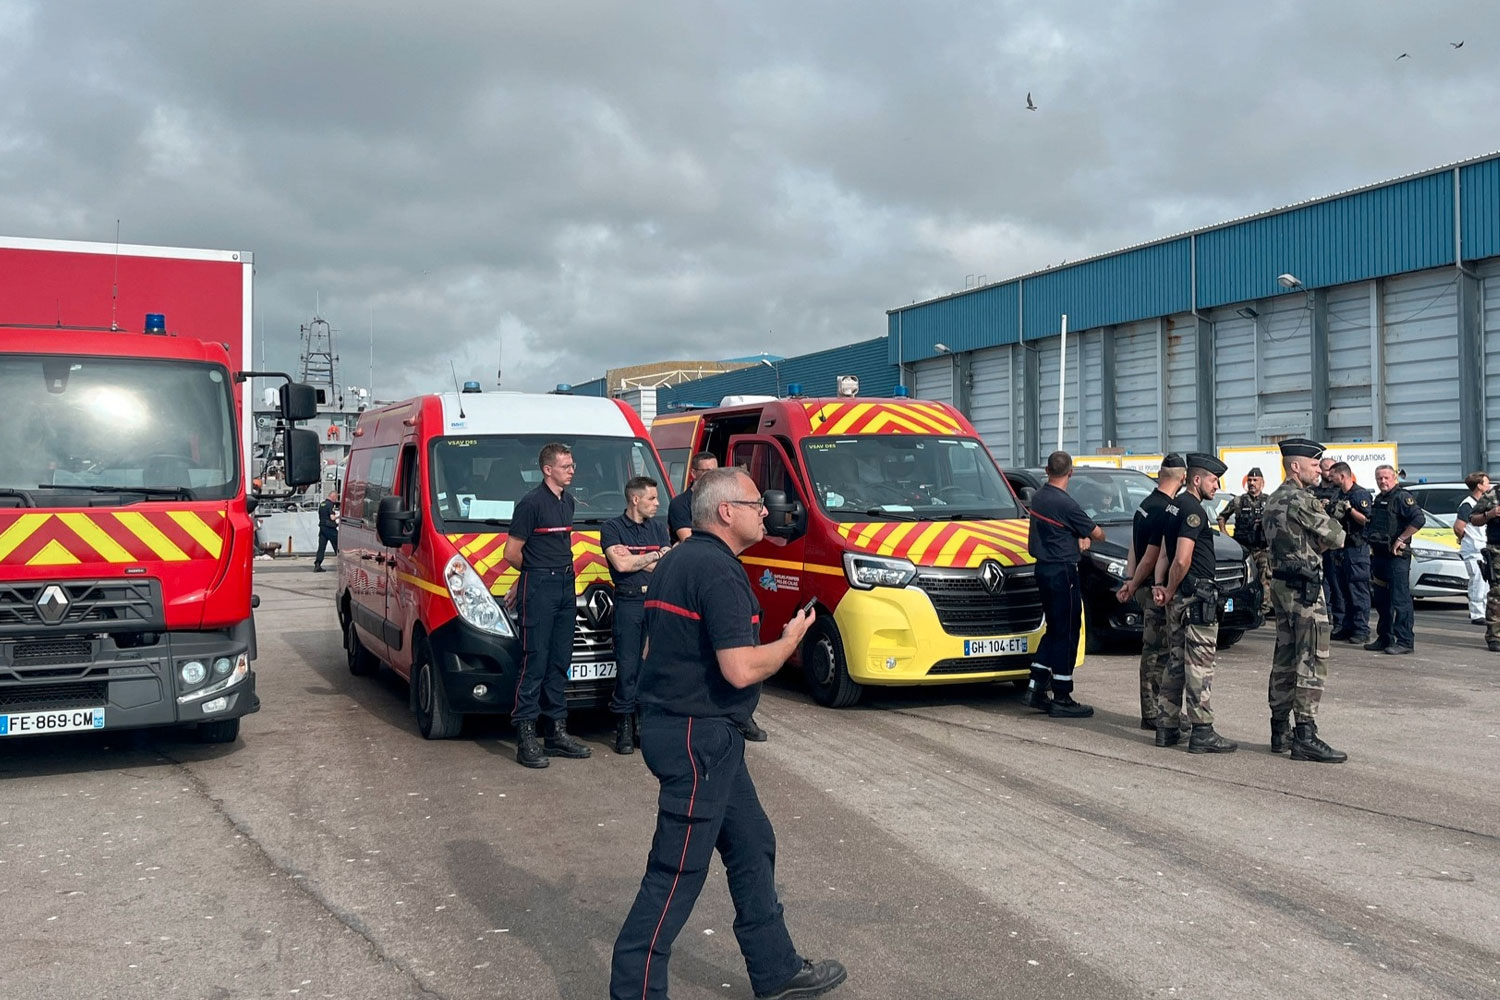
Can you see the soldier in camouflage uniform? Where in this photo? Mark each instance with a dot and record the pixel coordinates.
(1145, 547)
(1298, 532)
(1247, 509)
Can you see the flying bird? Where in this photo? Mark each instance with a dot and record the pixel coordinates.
(1457, 45)
(1029, 105)
(1404, 55)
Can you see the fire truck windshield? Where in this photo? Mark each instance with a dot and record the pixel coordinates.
(481, 478)
(906, 477)
(147, 428)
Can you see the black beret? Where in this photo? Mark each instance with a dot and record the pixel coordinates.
(1300, 448)
(1173, 461)
(1206, 462)
(1255, 471)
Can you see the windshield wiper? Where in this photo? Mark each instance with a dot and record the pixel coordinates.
(893, 515)
(175, 492)
(590, 520)
(974, 517)
(26, 498)
(493, 522)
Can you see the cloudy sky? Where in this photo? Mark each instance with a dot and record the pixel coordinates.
(597, 184)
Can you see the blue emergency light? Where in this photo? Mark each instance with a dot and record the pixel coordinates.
(156, 324)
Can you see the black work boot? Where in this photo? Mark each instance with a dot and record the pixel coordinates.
(1307, 745)
(624, 736)
(562, 744)
(1281, 734)
(1168, 734)
(1064, 707)
(813, 979)
(1377, 644)
(1493, 645)
(1038, 697)
(752, 732)
(528, 750)
(1205, 740)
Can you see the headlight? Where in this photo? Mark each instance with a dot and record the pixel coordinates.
(475, 604)
(1435, 553)
(239, 670)
(222, 666)
(865, 571)
(193, 673)
(1114, 567)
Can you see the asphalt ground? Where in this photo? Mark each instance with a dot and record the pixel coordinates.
(943, 842)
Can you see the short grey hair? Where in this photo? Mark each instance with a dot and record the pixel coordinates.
(1391, 467)
(713, 488)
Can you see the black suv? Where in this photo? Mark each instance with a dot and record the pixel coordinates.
(1110, 496)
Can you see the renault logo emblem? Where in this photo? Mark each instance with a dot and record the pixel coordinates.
(991, 577)
(52, 604)
(599, 607)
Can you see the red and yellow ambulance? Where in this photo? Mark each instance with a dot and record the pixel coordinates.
(893, 516)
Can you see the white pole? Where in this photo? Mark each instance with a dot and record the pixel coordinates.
(1062, 381)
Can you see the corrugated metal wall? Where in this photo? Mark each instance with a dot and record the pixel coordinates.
(1490, 318)
(934, 379)
(1121, 288)
(1421, 370)
(990, 400)
(593, 387)
(1349, 334)
(1049, 355)
(816, 373)
(1284, 365)
(963, 322)
(1479, 199)
(1137, 388)
(1182, 384)
(1236, 408)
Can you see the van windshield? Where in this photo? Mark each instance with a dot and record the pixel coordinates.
(481, 478)
(875, 477)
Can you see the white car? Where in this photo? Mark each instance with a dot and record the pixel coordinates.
(1437, 570)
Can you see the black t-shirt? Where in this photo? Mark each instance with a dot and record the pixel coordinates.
(325, 515)
(543, 523)
(649, 535)
(680, 513)
(1057, 522)
(1150, 523)
(700, 602)
(1186, 518)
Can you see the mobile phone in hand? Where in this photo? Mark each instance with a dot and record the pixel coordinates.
(808, 606)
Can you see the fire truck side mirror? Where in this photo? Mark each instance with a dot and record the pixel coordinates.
(299, 401)
(785, 518)
(395, 525)
(303, 467)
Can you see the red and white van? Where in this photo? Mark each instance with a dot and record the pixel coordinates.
(428, 495)
(892, 514)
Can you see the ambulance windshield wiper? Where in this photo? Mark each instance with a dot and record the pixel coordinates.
(893, 515)
(175, 492)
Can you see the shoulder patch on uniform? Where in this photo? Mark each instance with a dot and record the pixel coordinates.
(1410, 499)
(1193, 520)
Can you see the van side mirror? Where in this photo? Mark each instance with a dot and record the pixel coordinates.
(395, 524)
(302, 458)
(299, 401)
(784, 518)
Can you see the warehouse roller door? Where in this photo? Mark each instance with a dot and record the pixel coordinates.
(1137, 388)
(1421, 372)
(991, 408)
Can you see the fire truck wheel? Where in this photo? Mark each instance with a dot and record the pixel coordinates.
(824, 666)
(362, 662)
(434, 718)
(223, 731)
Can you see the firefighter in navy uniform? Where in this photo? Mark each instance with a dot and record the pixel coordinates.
(1248, 509)
(701, 677)
(328, 529)
(1394, 518)
(540, 545)
(1058, 524)
(633, 544)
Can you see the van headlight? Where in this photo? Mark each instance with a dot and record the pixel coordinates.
(1114, 567)
(865, 571)
(475, 604)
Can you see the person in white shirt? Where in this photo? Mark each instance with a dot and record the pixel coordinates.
(1471, 545)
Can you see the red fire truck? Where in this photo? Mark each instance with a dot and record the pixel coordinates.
(125, 539)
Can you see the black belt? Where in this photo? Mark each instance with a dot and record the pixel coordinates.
(539, 571)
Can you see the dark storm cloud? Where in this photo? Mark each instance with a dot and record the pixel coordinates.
(598, 184)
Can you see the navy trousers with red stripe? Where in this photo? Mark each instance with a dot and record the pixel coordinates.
(546, 611)
(707, 803)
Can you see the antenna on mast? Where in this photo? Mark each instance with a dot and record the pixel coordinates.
(114, 295)
(454, 368)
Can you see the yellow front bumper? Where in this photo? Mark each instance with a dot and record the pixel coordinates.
(893, 637)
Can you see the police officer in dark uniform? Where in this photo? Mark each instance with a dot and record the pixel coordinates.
(1057, 525)
(328, 529)
(1146, 532)
(1247, 510)
(541, 547)
(702, 673)
(633, 543)
(1352, 563)
(680, 510)
(1327, 494)
(1394, 518)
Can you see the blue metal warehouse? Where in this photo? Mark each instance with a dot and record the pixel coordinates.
(1390, 332)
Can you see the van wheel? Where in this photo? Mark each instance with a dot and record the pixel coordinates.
(825, 668)
(1229, 636)
(223, 731)
(434, 718)
(362, 662)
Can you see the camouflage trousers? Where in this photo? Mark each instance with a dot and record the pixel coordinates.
(1299, 667)
(1190, 668)
(1261, 560)
(1153, 658)
(1492, 602)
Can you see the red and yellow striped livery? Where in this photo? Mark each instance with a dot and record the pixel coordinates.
(486, 553)
(115, 537)
(858, 417)
(939, 544)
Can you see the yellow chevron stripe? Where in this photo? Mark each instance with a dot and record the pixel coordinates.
(489, 562)
(919, 418)
(53, 554)
(855, 414)
(939, 417)
(137, 524)
(818, 415)
(895, 538)
(795, 567)
(199, 529)
(110, 550)
(477, 544)
(21, 530)
(890, 419)
(417, 581)
(924, 538)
